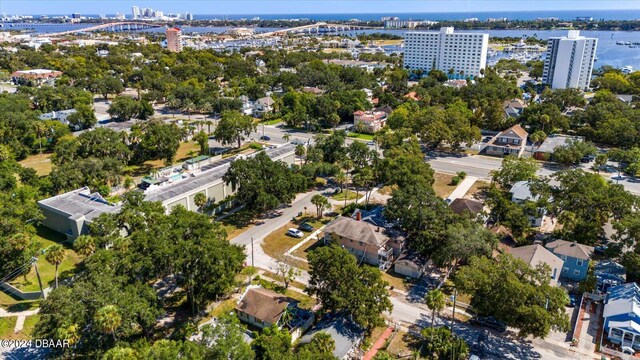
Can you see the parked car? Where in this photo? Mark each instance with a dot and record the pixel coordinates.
(489, 322)
(588, 159)
(573, 300)
(297, 142)
(295, 233)
(265, 138)
(628, 350)
(371, 143)
(306, 227)
(600, 249)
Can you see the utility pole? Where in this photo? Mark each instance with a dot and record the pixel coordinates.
(35, 264)
(453, 317)
(263, 131)
(252, 252)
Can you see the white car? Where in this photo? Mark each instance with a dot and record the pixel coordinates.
(295, 233)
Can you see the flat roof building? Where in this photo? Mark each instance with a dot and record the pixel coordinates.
(569, 61)
(465, 53)
(72, 212)
(174, 39)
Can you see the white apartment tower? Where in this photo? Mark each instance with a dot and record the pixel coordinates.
(465, 53)
(569, 61)
(135, 12)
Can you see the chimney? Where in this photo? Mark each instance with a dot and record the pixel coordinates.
(378, 229)
(358, 216)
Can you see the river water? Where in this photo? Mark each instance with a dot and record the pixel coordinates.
(608, 52)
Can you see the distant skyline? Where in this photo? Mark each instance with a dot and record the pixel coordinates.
(253, 7)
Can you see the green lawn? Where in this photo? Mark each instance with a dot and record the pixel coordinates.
(7, 324)
(348, 194)
(238, 223)
(47, 237)
(368, 137)
(271, 122)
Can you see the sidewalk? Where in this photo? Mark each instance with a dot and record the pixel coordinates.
(462, 188)
(378, 344)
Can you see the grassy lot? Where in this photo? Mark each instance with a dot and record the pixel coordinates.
(348, 194)
(304, 301)
(238, 223)
(271, 122)
(371, 338)
(278, 242)
(304, 250)
(396, 280)
(47, 238)
(7, 324)
(368, 137)
(226, 307)
(274, 276)
(138, 171)
(476, 190)
(442, 185)
(403, 344)
(41, 163)
(387, 42)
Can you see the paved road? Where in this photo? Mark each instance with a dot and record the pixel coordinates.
(481, 167)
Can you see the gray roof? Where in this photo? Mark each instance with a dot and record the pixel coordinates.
(552, 142)
(570, 249)
(210, 175)
(364, 231)
(266, 101)
(411, 259)
(345, 334)
(521, 191)
(461, 205)
(80, 202)
(535, 254)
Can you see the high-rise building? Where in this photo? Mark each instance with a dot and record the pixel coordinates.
(188, 16)
(465, 53)
(135, 11)
(75, 16)
(569, 61)
(174, 39)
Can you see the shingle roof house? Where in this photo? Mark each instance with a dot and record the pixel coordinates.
(537, 254)
(262, 307)
(576, 258)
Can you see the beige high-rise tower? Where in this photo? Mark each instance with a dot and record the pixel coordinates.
(174, 39)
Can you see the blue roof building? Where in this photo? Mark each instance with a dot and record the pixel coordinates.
(622, 315)
(609, 273)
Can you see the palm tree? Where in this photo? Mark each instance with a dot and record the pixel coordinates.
(188, 106)
(173, 104)
(85, 245)
(323, 342)
(300, 151)
(206, 108)
(39, 129)
(435, 302)
(208, 123)
(286, 137)
(55, 255)
(200, 199)
(321, 203)
(341, 179)
(108, 320)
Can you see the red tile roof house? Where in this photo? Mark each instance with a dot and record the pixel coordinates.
(508, 142)
(35, 77)
(370, 121)
(262, 308)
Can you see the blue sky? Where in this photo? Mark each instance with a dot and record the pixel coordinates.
(303, 6)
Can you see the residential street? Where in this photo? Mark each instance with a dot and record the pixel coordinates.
(481, 167)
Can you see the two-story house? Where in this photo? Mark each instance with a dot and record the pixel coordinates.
(537, 254)
(369, 242)
(576, 258)
(263, 105)
(508, 142)
(369, 121)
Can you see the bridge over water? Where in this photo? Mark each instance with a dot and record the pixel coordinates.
(317, 28)
(116, 26)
